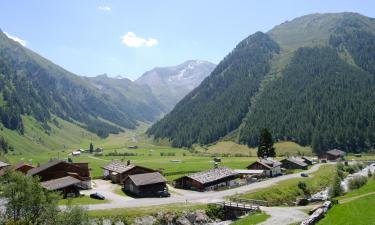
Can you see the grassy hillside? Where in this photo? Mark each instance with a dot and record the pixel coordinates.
(36, 140)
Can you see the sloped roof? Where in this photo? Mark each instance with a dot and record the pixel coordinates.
(249, 171)
(268, 163)
(3, 164)
(59, 183)
(22, 164)
(297, 161)
(336, 152)
(45, 166)
(118, 167)
(147, 178)
(212, 175)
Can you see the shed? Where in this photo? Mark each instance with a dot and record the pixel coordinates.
(23, 167)
(68, 186)
(208, 180)
(294, 163)
(146, 184)
(333, 155)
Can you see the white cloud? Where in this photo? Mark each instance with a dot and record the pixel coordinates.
(17, 39)
(131, 40)
(104, 8)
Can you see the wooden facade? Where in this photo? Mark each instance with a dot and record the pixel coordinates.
(270, 166)
(145, 185)
(293, 163)
(118, 171)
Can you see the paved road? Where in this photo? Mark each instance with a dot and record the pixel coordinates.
(180, 196)
(283, 215)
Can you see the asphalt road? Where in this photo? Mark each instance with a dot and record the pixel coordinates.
(180, 196)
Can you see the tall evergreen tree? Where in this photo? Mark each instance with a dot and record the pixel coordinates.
(91, 148)
(265, 147)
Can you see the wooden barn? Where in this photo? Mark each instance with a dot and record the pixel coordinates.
(55, 169)
(271, 166)
(68, 186)
(293, 163)
(146, 184)
(208, 180)
(333, 155)
(118, 171)
(23, 167)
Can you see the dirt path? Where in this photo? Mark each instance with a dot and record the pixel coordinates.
(283, 215)
(182, 196)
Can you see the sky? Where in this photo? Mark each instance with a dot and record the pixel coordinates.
(128, 38)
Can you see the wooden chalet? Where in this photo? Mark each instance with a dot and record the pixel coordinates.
(118, 171)
(271, 166)
(333, 155)
(55, 169)
(293, 163)
(208, 180)
(146, 184)
(307, 160)
(68, 186)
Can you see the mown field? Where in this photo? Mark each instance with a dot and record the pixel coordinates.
(356, 207)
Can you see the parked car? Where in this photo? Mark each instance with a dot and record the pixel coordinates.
(304, 175)
(97, 196)
(163, 194)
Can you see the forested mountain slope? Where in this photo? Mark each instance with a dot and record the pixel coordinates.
(316, 90)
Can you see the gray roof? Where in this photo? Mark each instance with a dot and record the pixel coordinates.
(212, 175)
(147, 178)
(297, 161)
(118, 167)
(336, 152)
(3, 164)
(59, 183)
(45, 166)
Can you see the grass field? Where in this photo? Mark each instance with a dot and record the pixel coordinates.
(287, 191)
(251, 219)
(84, 200)
(132, 213)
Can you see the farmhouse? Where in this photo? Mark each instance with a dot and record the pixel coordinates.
(146, 184)
(55, 169)
(118, 171)
(208, 180)
(68, 186)
(271, 166)
(293, 163)
(333, 155)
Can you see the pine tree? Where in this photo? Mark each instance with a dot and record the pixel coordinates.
(91, 148)
(265, 146)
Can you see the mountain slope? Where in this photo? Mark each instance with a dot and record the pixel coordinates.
(317, 90)
(171, 84)
(130, 97)
(31, 85)
(218, 105)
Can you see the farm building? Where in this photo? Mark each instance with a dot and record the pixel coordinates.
(118, 171)
(68, 186)
(333, 155)
(294, 163)
(271, 166)
(251, 173)
(146, 184)
(55, 169)
(307, 160)
(22, 167)
(208, 180)
(76, 153)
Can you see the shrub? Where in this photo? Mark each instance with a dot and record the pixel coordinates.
(215, 211)
(357, 182)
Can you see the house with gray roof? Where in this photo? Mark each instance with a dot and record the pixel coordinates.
(146, 184)
(271, 166)
(208, 180)
(117, 171)
(292, 163)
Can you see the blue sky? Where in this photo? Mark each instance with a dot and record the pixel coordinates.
(91, 37)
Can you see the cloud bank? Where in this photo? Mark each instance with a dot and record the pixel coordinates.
(131, 40)
(17, 39)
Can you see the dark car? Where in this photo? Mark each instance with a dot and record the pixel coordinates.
(163, 194)
(304, 175)
(97, 196)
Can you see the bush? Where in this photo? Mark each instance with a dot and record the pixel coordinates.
(357, 182)
(215, 211)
